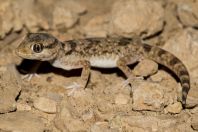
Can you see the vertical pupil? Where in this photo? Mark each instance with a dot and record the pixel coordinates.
(37, 48)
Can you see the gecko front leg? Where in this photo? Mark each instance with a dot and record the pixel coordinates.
(85, 65)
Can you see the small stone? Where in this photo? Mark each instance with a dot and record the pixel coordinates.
(45, 104)
(188, 13)
(174, 108)
(148, 96)
(146, 68)
(121, 99)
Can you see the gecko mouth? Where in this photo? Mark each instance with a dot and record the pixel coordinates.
(23, 55)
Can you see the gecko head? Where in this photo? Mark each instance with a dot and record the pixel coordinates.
(38, 46)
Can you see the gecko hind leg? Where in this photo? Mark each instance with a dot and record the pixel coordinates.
(123, 63)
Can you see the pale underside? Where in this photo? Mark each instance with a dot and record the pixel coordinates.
(100, 62)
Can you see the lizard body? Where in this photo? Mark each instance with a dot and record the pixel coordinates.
(99, 52)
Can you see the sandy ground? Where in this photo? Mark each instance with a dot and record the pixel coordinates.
(152, 104)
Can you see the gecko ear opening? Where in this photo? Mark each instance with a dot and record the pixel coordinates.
(37, 48)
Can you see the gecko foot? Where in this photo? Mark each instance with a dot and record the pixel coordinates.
(28, 77)
(74, 86)
(131, 79)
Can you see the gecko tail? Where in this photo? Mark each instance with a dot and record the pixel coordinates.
(169, 60)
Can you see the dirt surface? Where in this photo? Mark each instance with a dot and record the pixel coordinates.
(152, 104)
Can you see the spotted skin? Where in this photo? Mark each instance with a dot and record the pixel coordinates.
(100, 52)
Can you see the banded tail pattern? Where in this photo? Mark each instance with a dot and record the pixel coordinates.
(173, 63)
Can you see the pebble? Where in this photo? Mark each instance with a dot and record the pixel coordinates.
(45, 104)
(174, 108)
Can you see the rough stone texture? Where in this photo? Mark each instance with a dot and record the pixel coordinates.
(97, 26)
(21, 122)
(131, 17)
(66, 14)
(9, 88)
(151, 123)
(38, 15)
(146, 68)
(188, 12)
(45, 104)
(174, 108)
(195, 122)
(149, 96)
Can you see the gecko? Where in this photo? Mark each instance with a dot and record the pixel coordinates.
(107, 52)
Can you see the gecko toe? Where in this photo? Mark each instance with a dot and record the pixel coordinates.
(29, 77)
(74, 86)
(130, 80)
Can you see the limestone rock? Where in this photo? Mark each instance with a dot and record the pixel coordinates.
(188, 12)
(174, 108)
(45, 104)
(22, 122)
(145, 68)
(97, 26)
(66, 13)
(10, 87)
(148, 96)
(151, 123)
(131, 17)
(195, 122)
(35, 15)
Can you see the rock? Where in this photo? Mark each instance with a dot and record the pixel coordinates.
(188, 12)
(63, 18)
(45, 104)
(154, 95)
(38, 15)
(195, 122)
(121, 99)
(5, 22)
(157, 123)
(10, 86)
(97, 26)
(22, 122)
(174, 108)
(75, 113)
(145, 68)
(66, 14)
(148, 96)
(131, 17)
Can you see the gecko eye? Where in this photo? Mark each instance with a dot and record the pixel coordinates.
(38, 47)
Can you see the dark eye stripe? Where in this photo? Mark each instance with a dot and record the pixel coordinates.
(52, 45)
